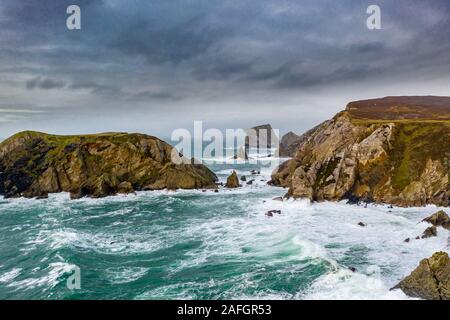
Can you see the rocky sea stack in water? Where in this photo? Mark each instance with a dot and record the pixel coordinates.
(392, 150)
(33, 164)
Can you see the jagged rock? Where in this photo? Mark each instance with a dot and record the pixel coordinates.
(291, 142)
(250, 182)
(243, 179)
(374, 156)
(407, 240)
(34, 164)
(232, 181)
(274, 211)
(430, 280)
(429, 232)
(439, 219)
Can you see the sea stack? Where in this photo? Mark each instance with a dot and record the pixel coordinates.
(34, 164)
(391, 150)
(261, 137)
(232, 181)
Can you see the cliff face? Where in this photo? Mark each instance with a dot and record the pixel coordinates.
(403, 161)
(33, 164)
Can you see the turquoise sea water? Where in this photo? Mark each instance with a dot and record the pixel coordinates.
(206, 245)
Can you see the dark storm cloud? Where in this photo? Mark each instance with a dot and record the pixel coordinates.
(227, 39)
(153, 54)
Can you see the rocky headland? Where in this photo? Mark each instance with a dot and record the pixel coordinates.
(34, 164)
(392, 150)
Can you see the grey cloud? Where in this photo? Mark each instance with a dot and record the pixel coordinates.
(153, 95)
(216, 51)
(45, 83)
(95, 88)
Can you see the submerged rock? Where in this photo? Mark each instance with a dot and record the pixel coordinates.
(430, 280)
(232, 181)
(439, 219)
(34, 164)
(368, 155)
(361, 224)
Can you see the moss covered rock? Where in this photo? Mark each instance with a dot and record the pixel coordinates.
(402, 161)
(430, 280)
(33, 164)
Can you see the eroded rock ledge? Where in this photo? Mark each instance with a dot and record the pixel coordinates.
(34, 164)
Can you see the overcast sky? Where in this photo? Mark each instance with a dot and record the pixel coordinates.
(154, 66)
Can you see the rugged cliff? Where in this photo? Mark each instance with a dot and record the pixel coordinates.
(33, 164)
(384, 150)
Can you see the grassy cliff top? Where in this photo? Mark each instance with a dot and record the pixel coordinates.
(116, 137)
(401, 108)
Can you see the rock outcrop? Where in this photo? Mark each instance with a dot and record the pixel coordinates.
(439, 219)
(33, 164)
(291, 142)
(429, 232)
(401, 161)
(232, 181)
(430, 280)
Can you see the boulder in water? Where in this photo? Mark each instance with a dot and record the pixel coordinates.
(430, 280)
(429, 232)
(232, 181)
(439, 219)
